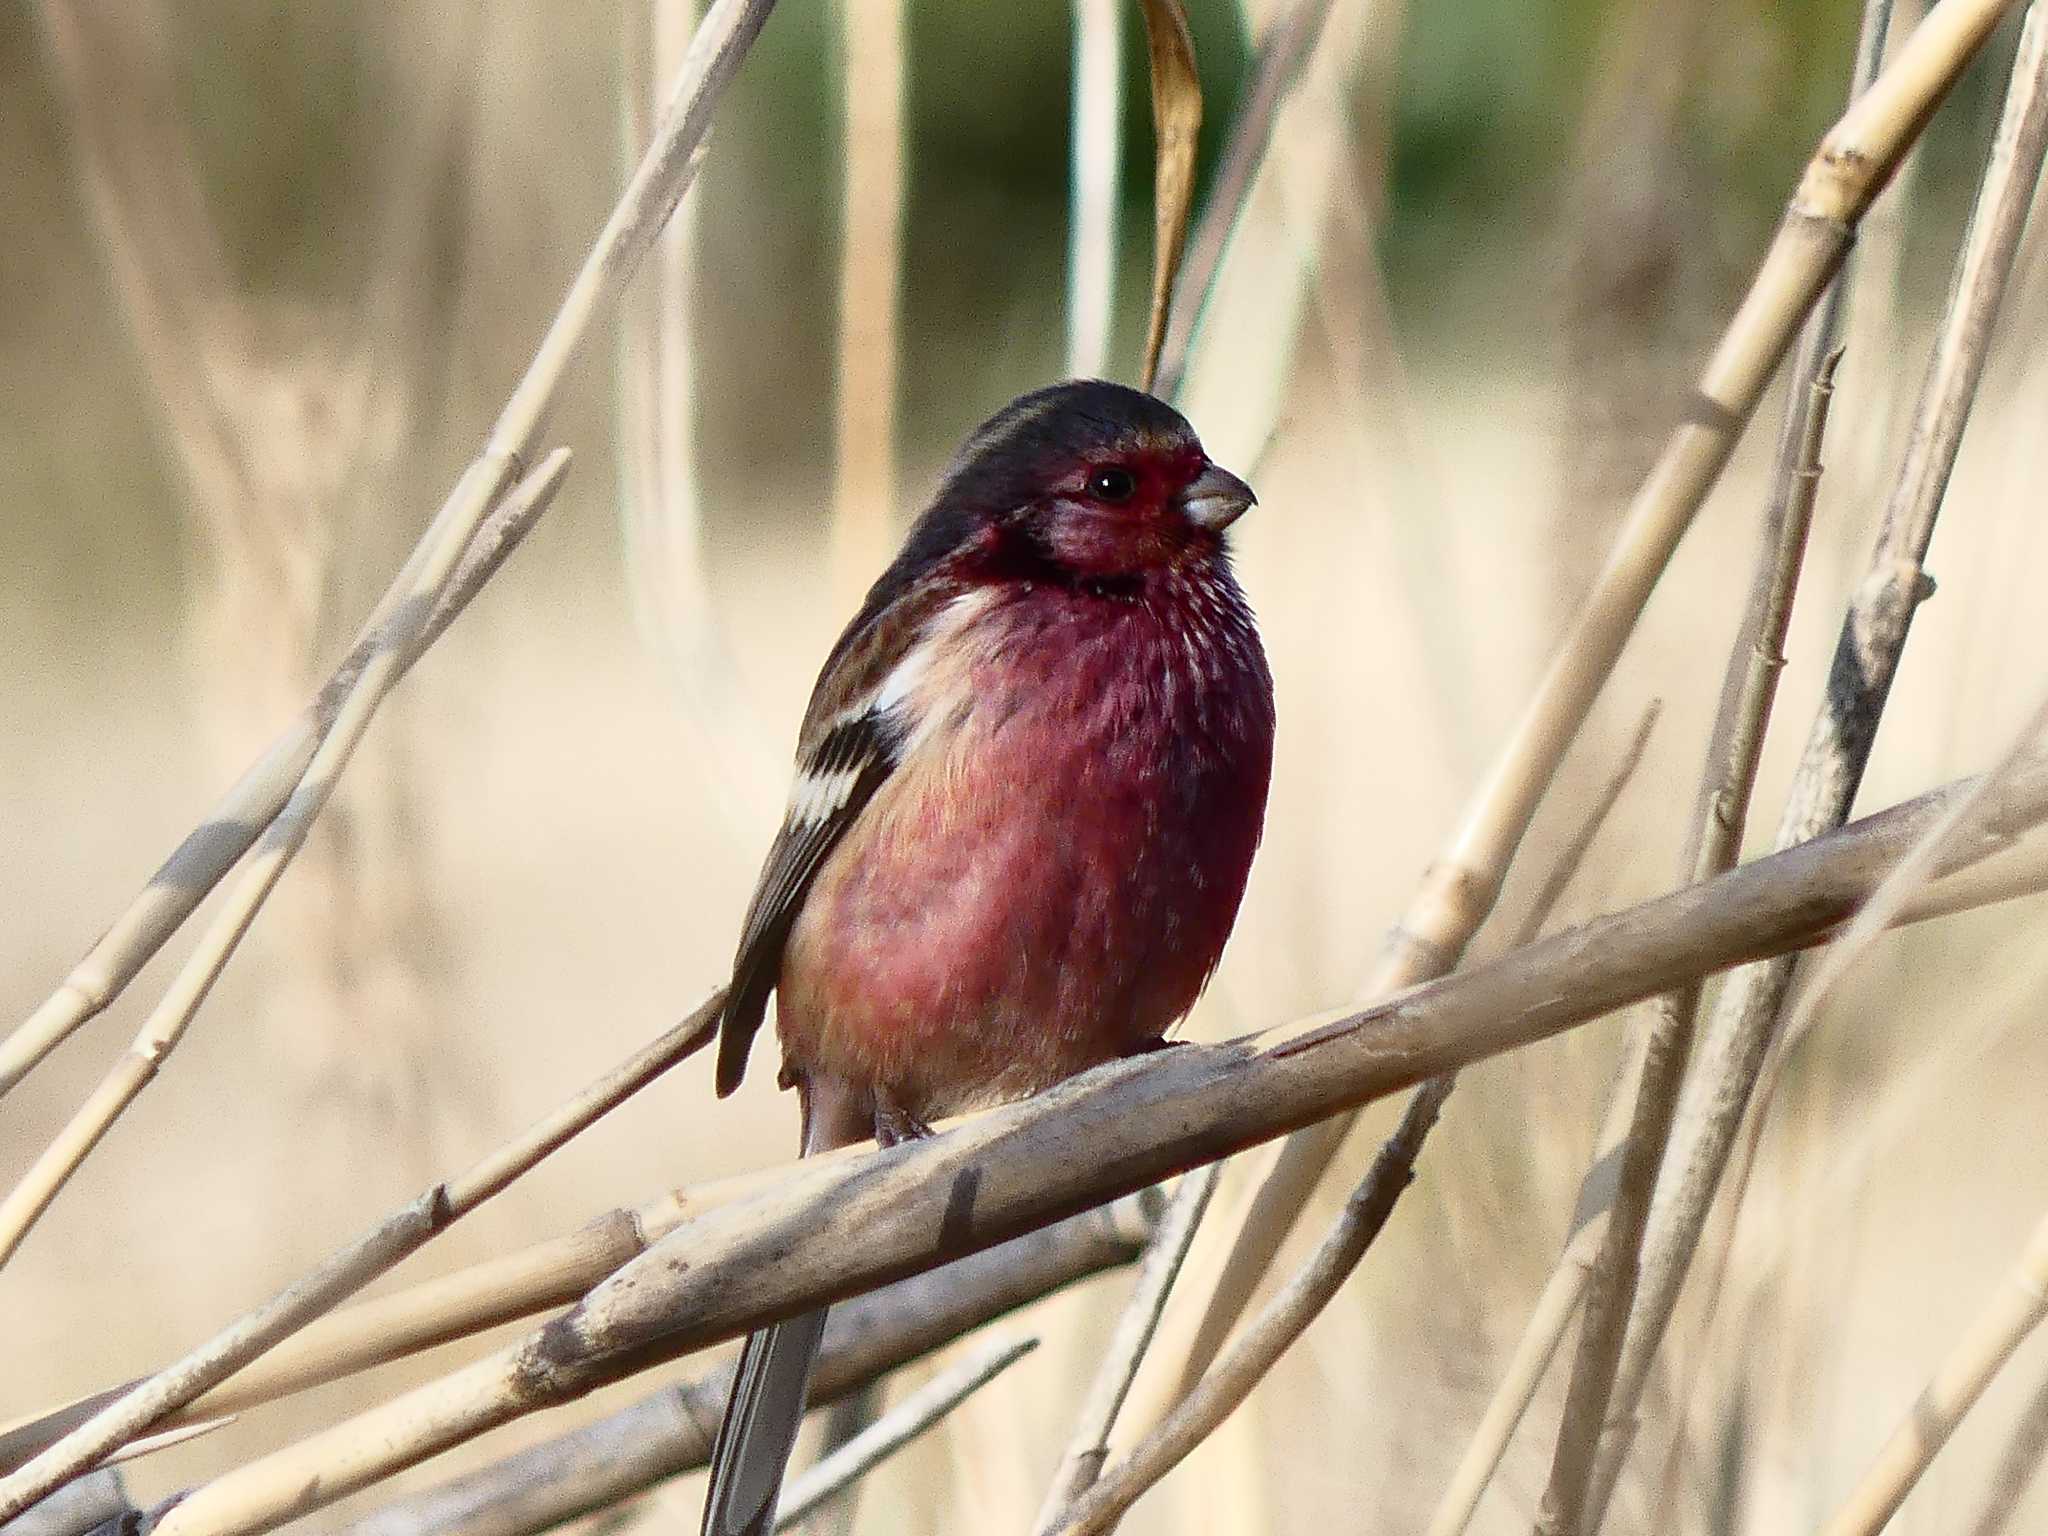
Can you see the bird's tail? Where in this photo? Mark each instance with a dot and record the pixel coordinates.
(774, 1376)
(760, 1427)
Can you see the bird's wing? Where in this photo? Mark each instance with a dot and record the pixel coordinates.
(852, 740)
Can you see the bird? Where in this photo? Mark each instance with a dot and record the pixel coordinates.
(1028, 790)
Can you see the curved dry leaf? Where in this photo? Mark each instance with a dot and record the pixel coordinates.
(1176, 124)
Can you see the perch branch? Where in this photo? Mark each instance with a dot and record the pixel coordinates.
(868, 1220)
(671, 1432)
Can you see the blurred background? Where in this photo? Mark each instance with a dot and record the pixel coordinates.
(266, 275)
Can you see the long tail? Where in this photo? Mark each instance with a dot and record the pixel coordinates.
(760, 1427)
(774, 1376)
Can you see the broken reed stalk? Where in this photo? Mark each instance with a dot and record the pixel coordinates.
(1720, 813)
(1855, 159)
(1838, 748)
(344, 1272)
(395, 631)
(871, 1219)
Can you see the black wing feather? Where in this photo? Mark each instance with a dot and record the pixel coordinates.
(865, 746)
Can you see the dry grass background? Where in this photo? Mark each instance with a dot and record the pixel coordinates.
(1434, 489)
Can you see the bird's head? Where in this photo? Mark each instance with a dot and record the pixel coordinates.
(1084, 480)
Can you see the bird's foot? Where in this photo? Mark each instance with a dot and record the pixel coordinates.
(894, 1123)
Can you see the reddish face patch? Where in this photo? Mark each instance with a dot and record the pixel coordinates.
(1120, 512)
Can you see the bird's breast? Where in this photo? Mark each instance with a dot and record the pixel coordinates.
(1048, 877)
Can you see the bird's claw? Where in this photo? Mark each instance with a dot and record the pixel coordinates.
(894, 1123)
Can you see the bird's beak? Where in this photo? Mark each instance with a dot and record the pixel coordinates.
(1215, 499)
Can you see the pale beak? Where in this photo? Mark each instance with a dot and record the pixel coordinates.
(1215, 499)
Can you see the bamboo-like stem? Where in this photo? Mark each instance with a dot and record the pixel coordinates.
(1110, 1131)
(1298, 1303)
(898, 1427)
(671, 1432)
(1838, 748)
(1853, 162)
(1094, 179)
(1088, 1446)
(1720, 814)
(346, 1271)
(870, 259)
(395, 631)
(2012, 1313)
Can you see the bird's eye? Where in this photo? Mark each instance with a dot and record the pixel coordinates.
(1112, 484)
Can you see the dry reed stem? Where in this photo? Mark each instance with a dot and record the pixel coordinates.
(670, 1433)
(199, 862)
(1721, 812)
(396, 626)
(346, 1271)
(872, 45)
(2026, 1452)
(1095, 175)
(1282, 50)
(661, 500)
(834, 1474)
(2013, 875)
(1958, 824)
(1176, 124)
(1850, 168)
(868, 1220)
(1283, 1320)
(387, 661)
(1088, 1445)
(2012, 1313)
(1866, 657)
